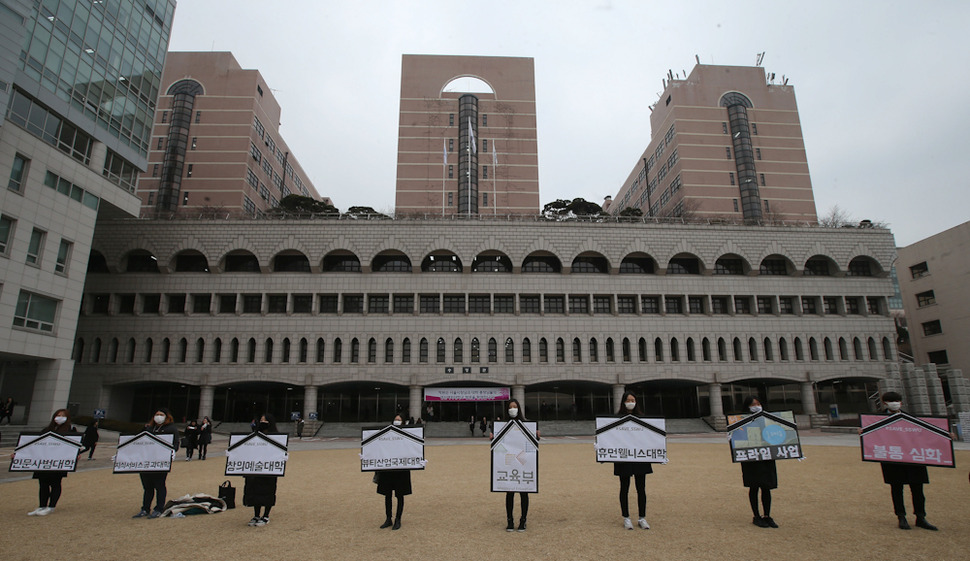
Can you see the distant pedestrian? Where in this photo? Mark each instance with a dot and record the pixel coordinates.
(6, 411)
(471, 425)
(299, 427)
(50, 481)
(90, 439)
(483, 425)
(191, 439)
(205, 437)
(153, 483)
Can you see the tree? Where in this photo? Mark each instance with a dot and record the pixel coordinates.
(836, 218)
(562, 209)
(631, 212)
(364, 212)
(298, 204)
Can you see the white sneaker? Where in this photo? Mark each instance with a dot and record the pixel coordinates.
(627, 524)
(36, 511)
(263, 521)
(46, 511)
(643, 523)
(254, 520)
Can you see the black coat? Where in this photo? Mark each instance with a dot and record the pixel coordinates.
(90, 436)
(397, 481)
(205, 434)
(260, 490)
(632, 468)
(762, 474)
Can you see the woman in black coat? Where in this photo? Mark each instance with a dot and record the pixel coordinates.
(90, 439)
(637, 470)
(259, 491)
(205, 437)
(153, 483)
(761, 475)
(898, 476)
(396, 482)
(191, 439)
(515, 412)
(50, 481)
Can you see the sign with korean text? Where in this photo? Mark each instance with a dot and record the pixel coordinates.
(255, 453)
(631, 439)
(392, 447)
(144, 452)
(905, 439)
(764, 436)
(48, 451)
(467, 394)
(515, 457)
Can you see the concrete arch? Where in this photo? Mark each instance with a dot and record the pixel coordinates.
(540, 244)
(729, 247)
(291, 243)
(774, 248)
(140, 243)
(816, 249)
(449, 81)
(682, 247)
(589, 246)
(390, 244)
(492, 244)
(241, 243)
(340, 243)
(190, 242)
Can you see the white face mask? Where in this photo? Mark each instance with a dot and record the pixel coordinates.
(513, 412)
(755, 409)
(894, 405)
(159, 419)
(60, 420)
(397, 422)
(630, 405)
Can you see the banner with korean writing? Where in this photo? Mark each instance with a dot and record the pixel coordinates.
(144, 452)
(255, 453)
(905, 439)
(392, 447)
(46, 452)
(764, 436)
(631, 439)
(515, 457)
(467, 394)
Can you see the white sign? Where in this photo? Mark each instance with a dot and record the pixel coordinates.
(631, 439)
(467, 394)
(392, 447)
(964, 425)
(255, 453)
(46, 452)
(144, 452)
(515, 457)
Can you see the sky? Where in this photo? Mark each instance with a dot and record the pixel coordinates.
(881, 86)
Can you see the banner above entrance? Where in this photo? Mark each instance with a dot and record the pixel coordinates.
(466, 394)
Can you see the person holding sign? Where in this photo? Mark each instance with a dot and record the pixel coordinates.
(898, 475)
(153, 483)
(50, 481)
(397, 482)
(761, 475)
(637, 470)
(514, 410)
(259, 491)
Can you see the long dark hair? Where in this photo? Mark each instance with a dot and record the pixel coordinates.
(622, 408)
(748, 401)
(521, 415)
(168, 418)
(59, 429)
(270, 420)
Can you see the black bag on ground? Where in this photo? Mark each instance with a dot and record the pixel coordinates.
(228, 493)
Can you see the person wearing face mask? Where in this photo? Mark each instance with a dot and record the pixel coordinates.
(515, 413)
(637, 470)
(898, 476)
(50, 481)
(153, 483)
(394, 482)
(760, 475)
(259, 491)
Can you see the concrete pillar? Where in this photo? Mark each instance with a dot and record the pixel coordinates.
(618, 390)
(309, 400)
(518, 393)
(415, 397)
(808, 399)
(52, 386)
(717, 404)
(104, 401)
(206, 397)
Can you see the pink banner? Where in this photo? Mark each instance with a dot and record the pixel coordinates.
(902, 438)
(466, 394)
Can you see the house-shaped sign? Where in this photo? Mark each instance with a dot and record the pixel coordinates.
(631, 439)
(255, 453)
(515, 457)
(905, 439)
(764, 436)
(47, 451)
(144, 452)
(392, 447)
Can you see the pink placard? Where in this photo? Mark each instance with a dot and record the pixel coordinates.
(902, 438)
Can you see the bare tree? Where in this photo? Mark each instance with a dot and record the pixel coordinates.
(836, 218)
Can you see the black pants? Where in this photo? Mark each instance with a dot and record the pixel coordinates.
(641, 481)
(203, 448)
(387, 506)
(765, 500)
(919, 500)
(154, 486)
(510, 502)
(89, 449)
(50, 489)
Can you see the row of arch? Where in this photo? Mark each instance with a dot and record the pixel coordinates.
(443, 261)
(487, 350)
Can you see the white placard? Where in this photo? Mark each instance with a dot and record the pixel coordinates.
(964, 425)
(515, 457)
(631, 439)
(46, 452)
(256, 453)
(144, 452)
(392, 447)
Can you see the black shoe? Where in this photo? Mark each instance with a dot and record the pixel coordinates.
(903, 525)
(387, 524)
(511, 526)
(397, 524)
(521, 527)
(770, 522)
(759, 522)
(922, 523)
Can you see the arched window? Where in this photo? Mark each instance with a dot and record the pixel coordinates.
(594, 350)
(509, 350)
(234, 350)
(541, 263)
(721, 350)
(543, 350)
(492, 350)
(873, 353)
(217, 350)
(857, 348)
(304, 349)
(799, 352)
(130, 350)
(459, 350)
(199, 349)
(829, 354)
(887, 349)
(691, 356)
(338, 350)
(444, 262)
(371, 350)
(321, 350)
(642, 350)
(389, 350)
(706, 349)
(658, 349)
(737, 350)
(560, 350)
(577, 350)
(78, 353)
(354, 350)
(285, 356)
(113, 350)
(812, 348)
(440, 350)
(627, 353)
(166, 348)
(251, 350)
(526, 350)
(783, 348)
(183, 349)
(674, 350)
(268, 350)
(769, 353)
(752, 349)
(406, 350)
(610, 356)
(843, 349)
(476, 350)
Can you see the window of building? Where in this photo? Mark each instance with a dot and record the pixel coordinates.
(406, 350)
(764, 304)
(719, 305)
(773, 267)
(151, 303)
(126, 304)
(728, 266)
(731, 178)
(724, 128)
(735, 205)
(35, 247)
(695, 304)
(35, 312)
(479, 304)
(504, 303)
(276, 303)
(485, 176)
(554, 304)
(328, 303)
(194, 142)
(602, 304)
(454, 303)
(762, 176)
(198, 116)
(932, 327)
(185, 194)
(816, 268)
(63, 255)
(451, 198)
(201, 303)
(430, 304)
(919, 270)
(492, 350)
(451, 144)
(626, 304)
(754, 128)
(164, 116)
(874, 306)
(673, 304)
(100, 303)
(353, 303)
(650, 304)
(484, 145)
(830, 305)
(302, 304)
(938, 357)
(484, 120)
(6, 233)
(860, 268)
(161, 140)
(727, 152)
(252, 303)
(925, 298)
(852, 306)
(18, 173)
(757, 153)
(528, 303)
(809, 305)
(154, 172)
(227, 303)
(451, 173)
(451, 119)
(378, 303)
(767, 207)
(403, 303)
(176, 303)
(742, 305)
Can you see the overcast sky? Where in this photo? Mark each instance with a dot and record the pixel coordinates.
(881, 86)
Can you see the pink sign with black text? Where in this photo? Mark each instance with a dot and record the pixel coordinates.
(903, 438)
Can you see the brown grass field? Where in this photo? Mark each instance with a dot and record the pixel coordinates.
(830, 506)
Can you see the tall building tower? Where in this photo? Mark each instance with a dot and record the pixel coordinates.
(467, 136)
(726, 143)
(216, 147)
(78, 84)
